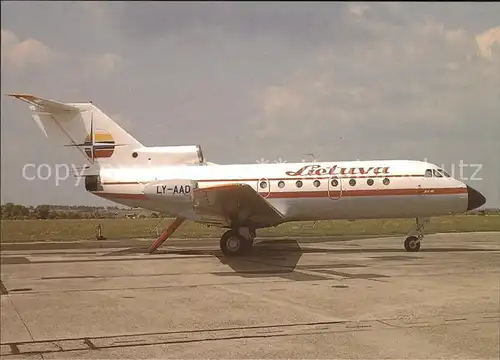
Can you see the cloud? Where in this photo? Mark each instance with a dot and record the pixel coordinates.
(18, 54)
(281, 98)
(102, 64)
(420, 74)
(358, 9)
(293, 23)
(97, 10)
(487, 41)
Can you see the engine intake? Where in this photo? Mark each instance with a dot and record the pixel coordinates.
(93, 183)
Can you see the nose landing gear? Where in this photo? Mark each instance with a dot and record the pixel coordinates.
(412, 244)
(415, 235)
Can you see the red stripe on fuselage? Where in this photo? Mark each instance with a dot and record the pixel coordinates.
(344, 177)
(321, 194)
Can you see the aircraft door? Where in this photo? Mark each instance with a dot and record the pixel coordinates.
(264, 187)
(334, 188)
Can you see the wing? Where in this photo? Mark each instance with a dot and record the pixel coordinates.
(238, 202)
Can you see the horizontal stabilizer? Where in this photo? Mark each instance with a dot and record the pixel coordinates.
(45, 104)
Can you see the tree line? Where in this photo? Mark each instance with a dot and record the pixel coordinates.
(13, 211)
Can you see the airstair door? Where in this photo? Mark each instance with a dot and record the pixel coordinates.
(335, 188)
(264, 187)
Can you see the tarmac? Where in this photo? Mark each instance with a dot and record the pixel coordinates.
(315, 298)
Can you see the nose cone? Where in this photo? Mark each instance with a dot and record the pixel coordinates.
(474, 199)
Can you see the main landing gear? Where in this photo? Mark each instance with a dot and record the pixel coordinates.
(415, 235)
(234, 242)
(237, 242)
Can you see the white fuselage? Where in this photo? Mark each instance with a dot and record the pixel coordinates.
(176, 180)
(300, 191)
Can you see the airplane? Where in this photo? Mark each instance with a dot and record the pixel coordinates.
(244, 198)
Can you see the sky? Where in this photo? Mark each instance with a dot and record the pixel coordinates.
(258, 82)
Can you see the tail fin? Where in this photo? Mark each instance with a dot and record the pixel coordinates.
(84, 126)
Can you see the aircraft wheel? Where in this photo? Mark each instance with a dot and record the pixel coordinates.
(412, 244)
(234, 244)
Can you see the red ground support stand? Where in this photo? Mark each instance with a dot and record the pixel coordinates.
(166, 234)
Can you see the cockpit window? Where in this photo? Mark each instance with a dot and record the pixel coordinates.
(445, 173)
(437, 173)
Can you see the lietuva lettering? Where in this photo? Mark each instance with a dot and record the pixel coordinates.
(317, 170)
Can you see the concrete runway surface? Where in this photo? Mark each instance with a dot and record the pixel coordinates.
(340, 297)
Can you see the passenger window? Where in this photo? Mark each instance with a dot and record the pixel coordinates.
(369, 182)
(299, 183)
(386, 181)
(428, 173)
(281, 184)
(316, 183)
(335, 182)
(352, 182)
(263, 184)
